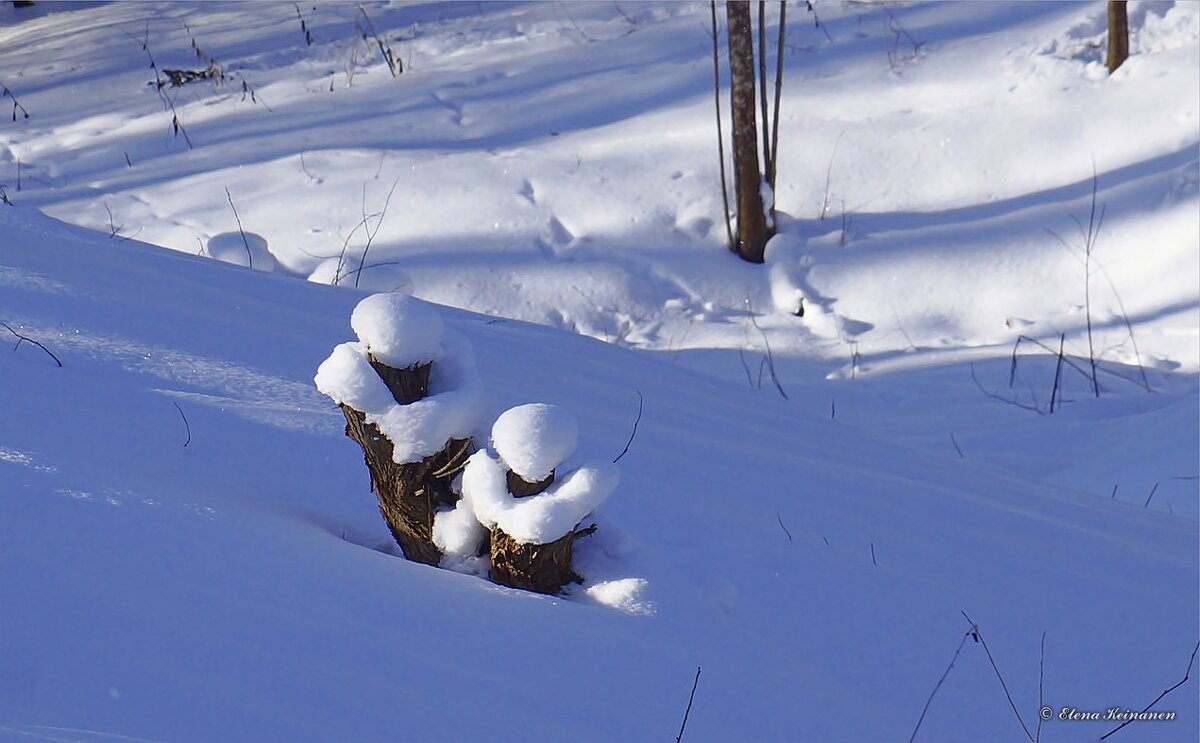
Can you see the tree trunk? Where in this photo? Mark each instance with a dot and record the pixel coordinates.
(543, 568)
(752, 230)
(409, 494)
(1118, 35)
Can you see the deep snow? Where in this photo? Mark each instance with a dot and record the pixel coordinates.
(189, 550)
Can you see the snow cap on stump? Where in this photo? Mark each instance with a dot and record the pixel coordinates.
(533, 439)
(398, 330)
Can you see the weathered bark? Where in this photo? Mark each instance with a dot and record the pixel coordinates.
(1118, 35)
(520, 488)
(752, 229)
(409, 494)
(543, 568)
(406, 385)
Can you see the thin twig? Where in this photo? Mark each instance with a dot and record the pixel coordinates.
(395, 66)
(1153, 490)
(245, 241)
(159, 85)
(781, 526)
(746, 368)
(770, 356)
(372, 233)
(975, 633)
(1157, 699)
(632, 433)
(309, 39)
(1037, 736)
(762, 84)
(695, 683)
(1062, 339)
(957, 448)
(7, 93)
(27, 339)
(720, 137)
(778, 93)
(829, 176)
(1012, 371)
(1093, 232)
(186, 425)
(937, 686)
(1120, 305)
(873, 555)
(996, 396)
(571, 18)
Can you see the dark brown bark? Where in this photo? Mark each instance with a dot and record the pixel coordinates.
(543, 568)
(520, 488)
(752, 230)
(407, 385)
(1118, 35)
(409, 494)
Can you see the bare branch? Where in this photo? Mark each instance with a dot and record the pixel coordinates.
(1187, 674)
(7, 93)
(720, 137)
(695, 683)
(186, 425)
(781, 526)
(26, 339)
(245, 240)
(372, 233)
(978, 637)
(632, 433)
(932, 694)
(996, 396)
(778, 94)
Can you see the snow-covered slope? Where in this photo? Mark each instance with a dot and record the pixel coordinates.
(225, 580)
(189, 550)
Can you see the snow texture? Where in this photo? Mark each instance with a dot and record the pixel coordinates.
(541, 518)
(422, 428)
(457, 532)
(533, 439)
(398, 330)
(560, 172)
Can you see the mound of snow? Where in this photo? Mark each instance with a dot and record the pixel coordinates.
(541, 518)
(457, 532)
(250, 251)
(533, 439)
(378, 278)
(398, 330)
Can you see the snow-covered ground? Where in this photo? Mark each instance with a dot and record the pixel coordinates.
(189, 550)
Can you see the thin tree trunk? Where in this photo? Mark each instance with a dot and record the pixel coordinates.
(778, 94)
(762, 84)
(752, 230)
(732, 245)
(1118, 35)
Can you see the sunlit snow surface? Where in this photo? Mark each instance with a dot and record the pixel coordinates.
(189, 550)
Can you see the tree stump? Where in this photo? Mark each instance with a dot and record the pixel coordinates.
(409, 494)
(542, 568)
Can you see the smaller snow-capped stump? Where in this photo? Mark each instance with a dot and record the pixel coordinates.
(532, 519)
(410, 395)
